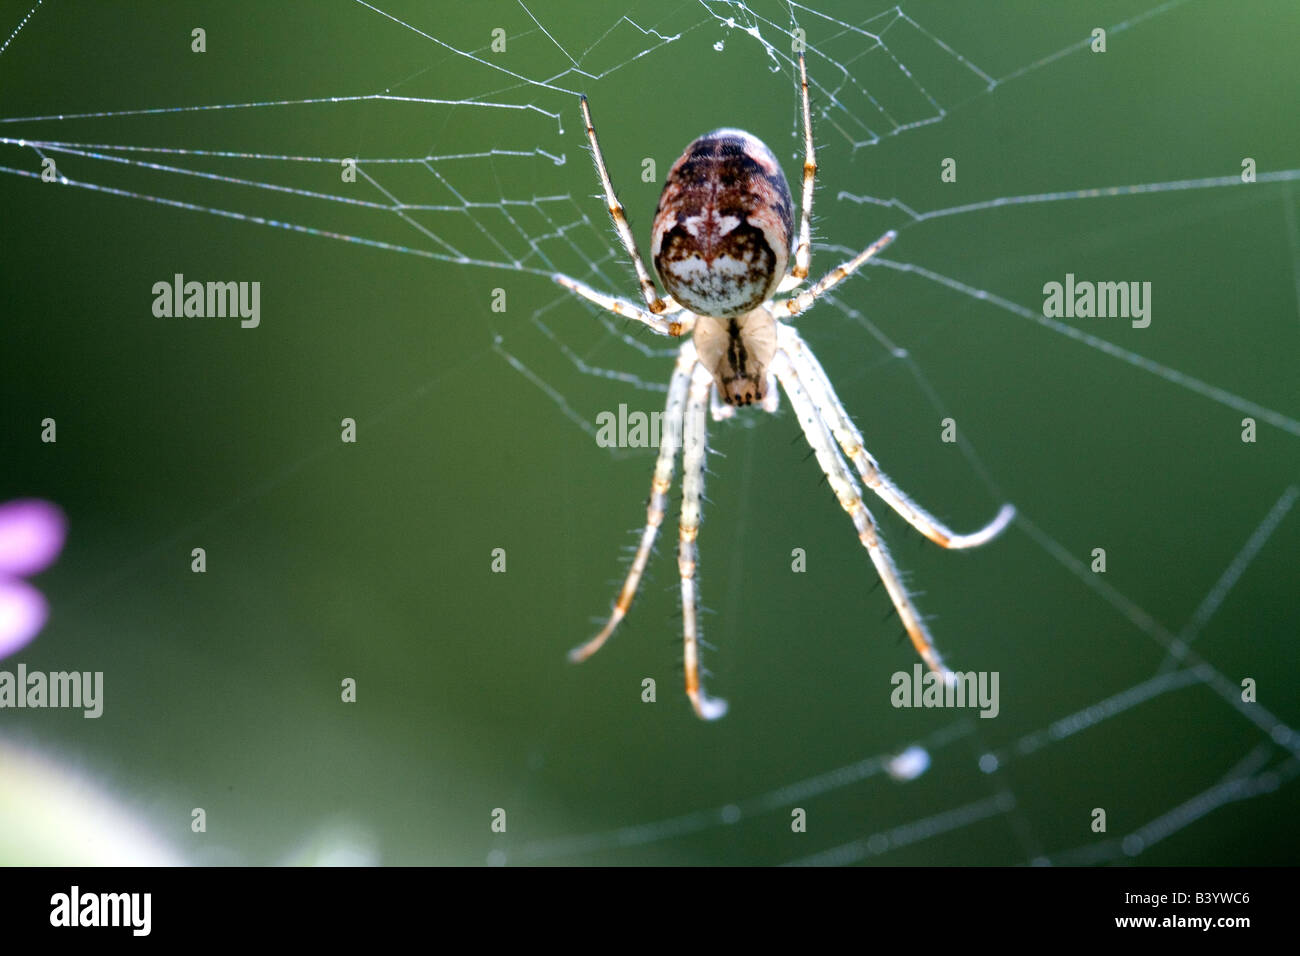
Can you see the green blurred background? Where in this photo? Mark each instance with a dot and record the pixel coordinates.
(373, 561)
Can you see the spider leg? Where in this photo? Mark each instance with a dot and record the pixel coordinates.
(693, 451)
(803, 251)
(629, 310)
(850, 499)
(655, 304)
(796, 304)
(670, 440)
(819, 388)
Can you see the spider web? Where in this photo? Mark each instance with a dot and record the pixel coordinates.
(474, 162)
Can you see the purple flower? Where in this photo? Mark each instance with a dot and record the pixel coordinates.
(31, 537)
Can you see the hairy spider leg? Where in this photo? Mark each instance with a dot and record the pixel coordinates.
(850, 498)
(628, 310)
(803, 252)
(822, 393)
(670, 440)
(693, 454)
(648, 291)
(799, 303)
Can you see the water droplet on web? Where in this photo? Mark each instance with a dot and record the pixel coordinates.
(909, 765)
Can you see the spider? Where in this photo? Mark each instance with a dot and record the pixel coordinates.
(720, 244)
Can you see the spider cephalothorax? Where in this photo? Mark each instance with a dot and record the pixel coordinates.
(721, 244)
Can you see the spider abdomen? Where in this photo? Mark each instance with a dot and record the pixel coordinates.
(723, 228)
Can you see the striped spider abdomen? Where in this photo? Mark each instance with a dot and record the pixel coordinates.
(723, 228)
